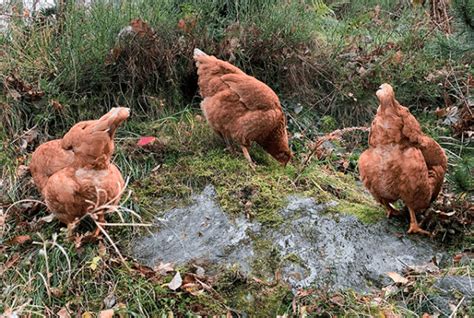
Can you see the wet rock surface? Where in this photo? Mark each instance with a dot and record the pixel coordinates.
(450, 291)
(462, 284)
(313, 247)
(199, 233)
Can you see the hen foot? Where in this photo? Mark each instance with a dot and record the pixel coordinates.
(415, 228)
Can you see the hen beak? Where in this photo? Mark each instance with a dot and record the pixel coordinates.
(110, 121)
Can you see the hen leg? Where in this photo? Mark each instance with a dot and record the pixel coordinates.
(100, 219)
(247, 156)
(230, 146)
(414, 227)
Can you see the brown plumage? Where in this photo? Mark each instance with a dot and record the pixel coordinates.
(75, 173)
(401, 162)
(241, 108)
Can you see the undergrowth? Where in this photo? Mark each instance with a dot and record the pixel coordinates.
(325, 59)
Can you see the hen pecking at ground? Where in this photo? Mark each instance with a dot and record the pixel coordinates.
(401, 162)
(75, 173)
(239, 107)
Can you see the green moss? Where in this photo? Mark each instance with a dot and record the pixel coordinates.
(328, 124)
(366, 214)
(194, 157)
(254, 298)
(293, 258)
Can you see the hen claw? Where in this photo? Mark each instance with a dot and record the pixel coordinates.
(415, 228)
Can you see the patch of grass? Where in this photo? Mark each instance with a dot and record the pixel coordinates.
(50, 274)
(331, 63)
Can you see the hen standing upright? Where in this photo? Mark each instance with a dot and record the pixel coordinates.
(75, 173)
(240, 107)
(401, 162)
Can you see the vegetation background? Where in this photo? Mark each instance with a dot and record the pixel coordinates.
(325, 59)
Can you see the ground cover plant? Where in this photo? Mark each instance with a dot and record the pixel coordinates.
(325, 60)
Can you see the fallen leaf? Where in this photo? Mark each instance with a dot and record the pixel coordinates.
(163, 268)
(63, 313)
(425, 268)
(8, 313)
(31, 135)
(397, 278)
(175, 282)
(21, 171)
(102, 249)
(110, 300)
(144, 141)
(192, 288)
(441, 112)
(106, 313)
(398, 57)
(389, 314)
(57, 292)
(298, 108)
(56, 105)
(48, 218)
(304, 292)
(9, 263)
(95, 263)
(447, 214)
(144, 270)
(19, 240)
(87, 314)
(199, 270)
(390, 290)
(338, 300)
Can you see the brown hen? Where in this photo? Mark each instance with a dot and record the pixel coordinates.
(401, 162)
(75, 173)
(241, 108)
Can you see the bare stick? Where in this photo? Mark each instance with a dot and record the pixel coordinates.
(331, 136)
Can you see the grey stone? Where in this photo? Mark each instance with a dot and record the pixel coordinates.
(315, 248)
(461, 284)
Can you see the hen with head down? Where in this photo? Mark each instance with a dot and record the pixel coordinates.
(241, 108)
(401, 162)
(75, 173)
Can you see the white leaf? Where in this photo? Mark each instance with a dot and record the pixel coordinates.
(176, 282)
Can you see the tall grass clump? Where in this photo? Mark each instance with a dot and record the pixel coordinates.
(328, 55)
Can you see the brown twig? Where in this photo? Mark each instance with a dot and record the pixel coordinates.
(336, 134)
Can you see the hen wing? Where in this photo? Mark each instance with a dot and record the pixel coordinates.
(432, 152)
(252, 93)
(47, 159)
(210, 70)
